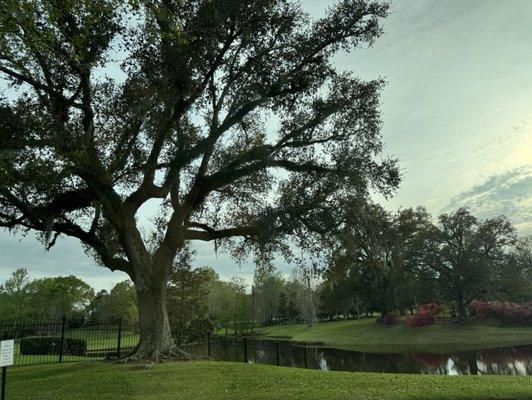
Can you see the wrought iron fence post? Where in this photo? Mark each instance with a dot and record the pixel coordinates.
(245, 349)
(4, 377)
(305, 356)
(209, 348)
(62, 344)
(119, 339)
(277, 352)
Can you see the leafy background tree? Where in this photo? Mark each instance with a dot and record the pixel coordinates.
(468, 254)
(188, 308)
(118, 303)
(54, 297)
(44, 298)
(268, 287)
(14, 295)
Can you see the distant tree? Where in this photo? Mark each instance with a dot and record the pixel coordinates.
(123, 302)
(466, 253)
(58, 296)
(241, 305)
(221, 300)
(377, 252)
(188, 307)
(229, 303)
(304, 295)
(268, 285)
(119, 303)
(513, 277)
(97, 308)
(81, 153)
(329, 300)
(14, 296)
(292, 290)
(339, 297)
(293, 311)
(283, 310)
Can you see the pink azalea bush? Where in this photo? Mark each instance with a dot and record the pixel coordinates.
(431, 308)
(425, 315)
(504, 311)
(420, 319)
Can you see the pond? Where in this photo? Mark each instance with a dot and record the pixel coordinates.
(500, 361)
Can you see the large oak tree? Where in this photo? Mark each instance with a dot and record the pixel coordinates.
(469, 256)
(231, 114)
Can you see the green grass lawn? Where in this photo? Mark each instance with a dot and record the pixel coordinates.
(366, 335)
(224, 380)
(104, 338)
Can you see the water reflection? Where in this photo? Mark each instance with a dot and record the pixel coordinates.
(500, 361)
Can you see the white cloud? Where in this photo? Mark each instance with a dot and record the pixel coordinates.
(508, 193)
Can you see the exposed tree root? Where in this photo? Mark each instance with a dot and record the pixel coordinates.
(174, 354)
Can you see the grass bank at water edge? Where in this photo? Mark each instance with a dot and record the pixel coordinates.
(239, 381)
(442, 337)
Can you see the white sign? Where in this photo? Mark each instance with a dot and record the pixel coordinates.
(7, 349)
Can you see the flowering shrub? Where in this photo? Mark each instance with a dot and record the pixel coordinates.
(431, 308)
(422, 318)
(390, 318)
(425, 315)
(504, 311)
(479, 307)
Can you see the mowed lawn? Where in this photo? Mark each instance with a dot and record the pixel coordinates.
(225, 380)
(366, 335)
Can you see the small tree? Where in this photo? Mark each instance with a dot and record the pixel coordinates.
(13, 295)
(118, 303)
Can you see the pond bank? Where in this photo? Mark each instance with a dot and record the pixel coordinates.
(239, 381)
(365, 335)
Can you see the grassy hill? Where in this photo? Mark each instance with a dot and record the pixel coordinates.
(366, 335)
(223, 380)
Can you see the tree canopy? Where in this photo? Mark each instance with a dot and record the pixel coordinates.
(230, 114)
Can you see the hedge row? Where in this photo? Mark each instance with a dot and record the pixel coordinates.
(51, 344)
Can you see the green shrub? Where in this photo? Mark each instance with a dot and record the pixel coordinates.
(76, 347)
(51, 344)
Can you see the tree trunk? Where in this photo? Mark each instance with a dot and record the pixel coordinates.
(461, 310)
(155, 335)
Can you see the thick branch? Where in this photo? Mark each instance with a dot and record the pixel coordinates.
(208, 234)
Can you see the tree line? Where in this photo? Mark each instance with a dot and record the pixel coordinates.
(383, 262)
(200, 302)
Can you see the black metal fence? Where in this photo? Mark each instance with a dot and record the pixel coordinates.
(63, 340)
(254, 350)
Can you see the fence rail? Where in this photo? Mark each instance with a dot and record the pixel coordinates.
(63, 340)
(250, 349)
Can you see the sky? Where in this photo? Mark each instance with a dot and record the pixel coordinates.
(457, 112)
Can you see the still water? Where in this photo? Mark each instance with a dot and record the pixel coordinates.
(501, 361)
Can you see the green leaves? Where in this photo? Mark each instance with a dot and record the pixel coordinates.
(229, 113)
